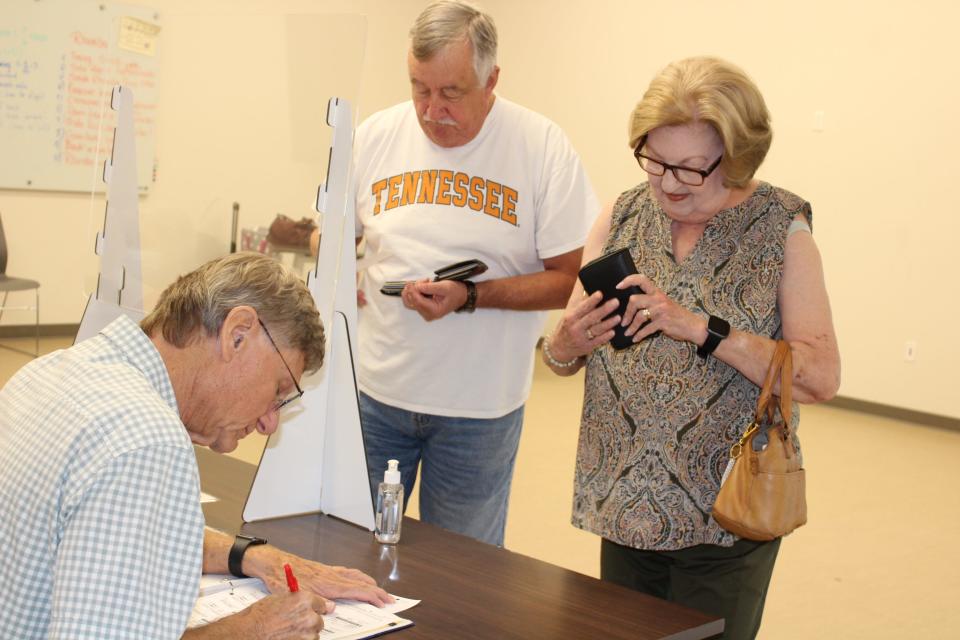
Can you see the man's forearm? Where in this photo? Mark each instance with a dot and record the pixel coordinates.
(530, 292)
(216, 549)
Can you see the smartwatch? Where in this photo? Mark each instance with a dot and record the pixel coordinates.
(235, 559)
(471, 304)
(717, 330)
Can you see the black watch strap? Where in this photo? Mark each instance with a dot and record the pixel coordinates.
(471, 304)
(717, 330)
(235, 559)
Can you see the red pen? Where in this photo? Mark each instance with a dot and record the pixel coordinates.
(291, 579)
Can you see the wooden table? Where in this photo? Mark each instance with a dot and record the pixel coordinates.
(468, 589)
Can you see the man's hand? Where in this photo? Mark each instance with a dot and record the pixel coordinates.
(433, 300)
(289, 615)
(283, 616)
(266, 562)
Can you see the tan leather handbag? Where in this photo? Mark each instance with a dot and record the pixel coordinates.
(763, 493)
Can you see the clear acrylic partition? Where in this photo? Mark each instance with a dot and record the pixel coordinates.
(242, 128)
(229, 116)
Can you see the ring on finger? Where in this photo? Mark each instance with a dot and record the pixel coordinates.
(590, 335)
(646, 313)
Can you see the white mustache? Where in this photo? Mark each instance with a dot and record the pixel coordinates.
(450, 122)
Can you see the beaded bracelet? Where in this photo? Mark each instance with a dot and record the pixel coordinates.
(554, 362)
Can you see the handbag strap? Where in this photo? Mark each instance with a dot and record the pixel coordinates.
(782, 364)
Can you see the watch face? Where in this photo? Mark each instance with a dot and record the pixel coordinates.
(718, 327)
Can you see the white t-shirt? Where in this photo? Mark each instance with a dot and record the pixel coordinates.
(511, 197)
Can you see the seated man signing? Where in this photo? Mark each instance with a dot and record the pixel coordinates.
(99, 490)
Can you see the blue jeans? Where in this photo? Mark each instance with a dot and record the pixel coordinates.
(467, 464)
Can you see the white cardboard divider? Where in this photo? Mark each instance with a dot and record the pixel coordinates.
(316, 461)
(119, 287)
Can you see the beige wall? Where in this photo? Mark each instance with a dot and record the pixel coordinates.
(878, 174)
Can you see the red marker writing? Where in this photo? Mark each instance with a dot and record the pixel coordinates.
(291, 579)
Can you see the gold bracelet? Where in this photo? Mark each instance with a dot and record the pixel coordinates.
(554, 362)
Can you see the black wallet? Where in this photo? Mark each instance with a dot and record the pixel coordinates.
(603, 274)
(456, 271)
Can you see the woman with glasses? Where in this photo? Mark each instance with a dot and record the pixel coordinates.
(727, 265)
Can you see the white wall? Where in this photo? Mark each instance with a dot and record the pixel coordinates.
(878, 175)
(243, 95)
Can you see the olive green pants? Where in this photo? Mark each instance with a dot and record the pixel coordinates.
(724, 581)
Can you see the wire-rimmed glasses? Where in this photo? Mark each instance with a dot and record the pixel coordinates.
(282, 403)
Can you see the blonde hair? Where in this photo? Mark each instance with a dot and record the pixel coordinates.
(449, 21)
(200, 301)
(713, 91)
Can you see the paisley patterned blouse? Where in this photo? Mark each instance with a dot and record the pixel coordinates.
(658, 421)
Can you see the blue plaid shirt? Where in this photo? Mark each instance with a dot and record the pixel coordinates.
(100, 520)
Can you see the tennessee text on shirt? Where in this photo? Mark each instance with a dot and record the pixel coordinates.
(448, 188)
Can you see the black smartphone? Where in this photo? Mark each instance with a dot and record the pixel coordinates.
(603, 274)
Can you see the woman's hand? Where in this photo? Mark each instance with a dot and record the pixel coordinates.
(583, 328)
(654, 311)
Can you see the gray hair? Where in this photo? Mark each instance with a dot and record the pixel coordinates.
(198, 303)
(449, 21)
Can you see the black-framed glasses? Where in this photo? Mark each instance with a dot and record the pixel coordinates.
(686, 175)
(282, 403)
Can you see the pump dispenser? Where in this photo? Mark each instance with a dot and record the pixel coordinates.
(389, 505)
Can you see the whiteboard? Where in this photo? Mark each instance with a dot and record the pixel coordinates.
(59, 62)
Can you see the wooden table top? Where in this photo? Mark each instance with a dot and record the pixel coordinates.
(468, 589)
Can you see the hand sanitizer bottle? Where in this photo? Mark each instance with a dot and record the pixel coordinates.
(389, 505)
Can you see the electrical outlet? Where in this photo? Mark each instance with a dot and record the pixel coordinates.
(910, 351)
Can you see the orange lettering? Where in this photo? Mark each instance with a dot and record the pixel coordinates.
(410, 182)
(428, 184)
(443, 187)
(509, 206)
(393, 191)
(460, 189)
(475, 201)
(493, 199)
(377, 192)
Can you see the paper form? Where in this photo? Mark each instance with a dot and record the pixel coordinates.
(222, 595)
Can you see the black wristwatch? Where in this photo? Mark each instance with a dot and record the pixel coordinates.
(235, 559)
(717, 330)
(471, 304)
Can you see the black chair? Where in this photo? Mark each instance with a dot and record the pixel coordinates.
(8, 284)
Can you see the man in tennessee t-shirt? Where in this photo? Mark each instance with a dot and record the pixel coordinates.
(459, 173)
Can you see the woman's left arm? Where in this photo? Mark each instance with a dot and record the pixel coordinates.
(804, 312)
(807, 327)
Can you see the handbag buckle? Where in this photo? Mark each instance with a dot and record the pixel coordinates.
(737, 447)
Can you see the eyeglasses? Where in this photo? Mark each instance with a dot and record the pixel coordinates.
(282, 403)
(686, 175)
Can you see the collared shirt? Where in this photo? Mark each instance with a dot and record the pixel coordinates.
(99, 495)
